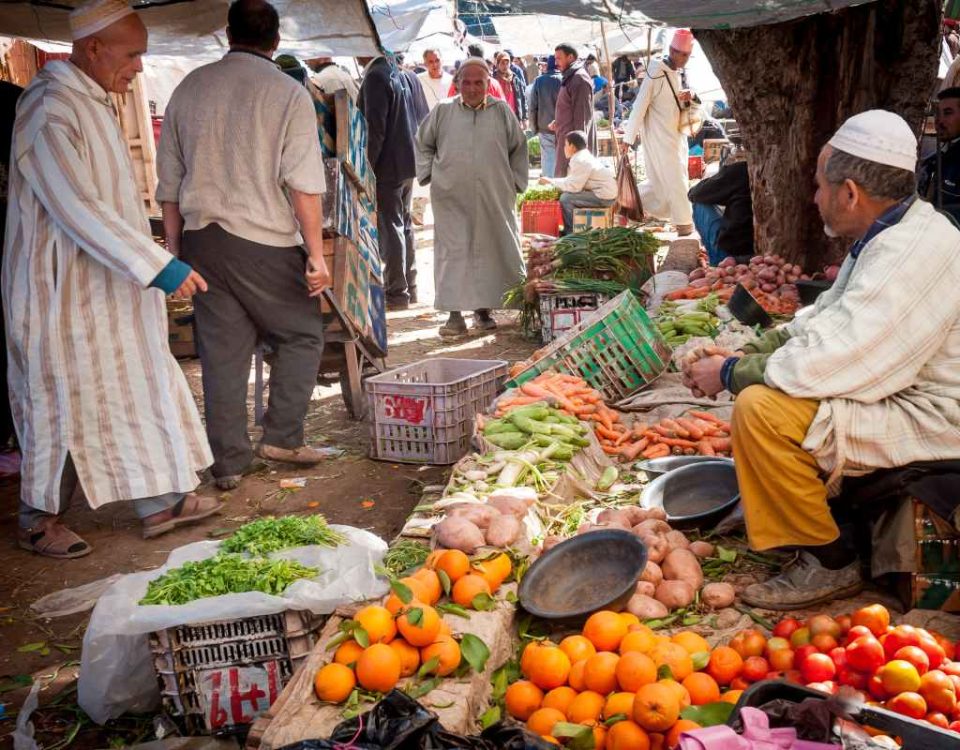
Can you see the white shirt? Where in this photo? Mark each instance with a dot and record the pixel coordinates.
(587, 172)
(333, 78)
(435, 89)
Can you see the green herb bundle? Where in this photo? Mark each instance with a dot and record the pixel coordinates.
(224, 574)
(538, 193)
(269, 534)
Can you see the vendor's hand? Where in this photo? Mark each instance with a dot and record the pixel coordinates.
(193, 284)
(318, 276)
(544, 181)
(704, 374)
(552, 127)
(691, 367)
(684, 95)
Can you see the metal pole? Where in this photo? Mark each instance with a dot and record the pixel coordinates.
(611, 96)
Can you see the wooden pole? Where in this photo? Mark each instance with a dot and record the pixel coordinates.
(612, 97)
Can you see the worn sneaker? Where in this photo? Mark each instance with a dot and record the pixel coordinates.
(455, 326)
(483, 321)
(804, 583)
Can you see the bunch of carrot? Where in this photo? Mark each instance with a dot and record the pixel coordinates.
(569, 393)
(699, 292)
(699, 432)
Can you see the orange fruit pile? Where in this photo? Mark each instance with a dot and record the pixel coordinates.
(401, 637)
(612, 677)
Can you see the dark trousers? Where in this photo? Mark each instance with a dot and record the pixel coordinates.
(257, 292)
(395, 228)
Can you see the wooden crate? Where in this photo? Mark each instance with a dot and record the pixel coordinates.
(585, 219)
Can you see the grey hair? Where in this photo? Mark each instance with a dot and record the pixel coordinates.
(470, 62)
(434, 50)
(878, 180)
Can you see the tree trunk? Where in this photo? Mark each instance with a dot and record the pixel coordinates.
(791, 85)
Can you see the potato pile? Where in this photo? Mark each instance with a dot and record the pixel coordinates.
(498, 522)
(673, 575)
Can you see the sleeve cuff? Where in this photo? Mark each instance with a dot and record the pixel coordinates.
(172, 276)
(726, 372)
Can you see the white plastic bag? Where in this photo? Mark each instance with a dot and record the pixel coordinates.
(116, 673)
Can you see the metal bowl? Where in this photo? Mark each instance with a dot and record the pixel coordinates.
(654, 467)
(810, 290)
(747, 310)
(589, 572)
(695, 496)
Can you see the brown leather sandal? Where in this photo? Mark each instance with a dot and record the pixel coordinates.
(189, 510)
(51, 538)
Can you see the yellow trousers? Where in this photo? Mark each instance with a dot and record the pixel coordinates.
(784, 499)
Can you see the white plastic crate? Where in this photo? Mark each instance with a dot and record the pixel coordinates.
(561, 312)
(424, 413)
(218, 677)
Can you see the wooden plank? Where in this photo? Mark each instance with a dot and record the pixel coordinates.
(351, 284)
(133, 114)
(352, 144)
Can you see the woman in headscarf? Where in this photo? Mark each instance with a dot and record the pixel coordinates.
(513, 87)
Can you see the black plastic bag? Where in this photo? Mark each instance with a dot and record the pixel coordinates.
(628, 195)
(398, 722)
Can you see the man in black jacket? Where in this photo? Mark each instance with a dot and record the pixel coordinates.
(939, 175)
(728, 231)
(393, 104)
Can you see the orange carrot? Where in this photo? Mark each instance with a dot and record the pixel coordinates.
(603, 416)
(664, 431)
(677, 443)
(604, 431)
(534, 389)
(705, 415)
(721, 444)
(706, 448)
(624, 436)
(631, 451)
(695, 432)
(672, 425)
(656, 451)
(610, 450)
(585, 409)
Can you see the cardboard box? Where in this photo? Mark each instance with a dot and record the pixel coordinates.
(936, 585)
(585, 219)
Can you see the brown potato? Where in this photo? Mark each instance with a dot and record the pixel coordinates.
(657, 514)
(682, 565)
(503, 531)
(702, 549)
(614, 517)
(675, 594)
(646, 608)
(652, 573)
(646, 588)
(657, 547)
(717, 595)
(652, 526)
(677, 540)
(456, 532)
(479, 515)
(636, 514)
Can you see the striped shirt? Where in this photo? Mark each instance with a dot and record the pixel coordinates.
(90, 371)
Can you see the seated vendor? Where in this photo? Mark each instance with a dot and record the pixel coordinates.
(940, 172)
(588, 184)
(723, 212)
(868, 380)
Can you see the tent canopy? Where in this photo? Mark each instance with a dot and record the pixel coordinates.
(540, 34)
(196, 28)
(697, 14)
(410, 26)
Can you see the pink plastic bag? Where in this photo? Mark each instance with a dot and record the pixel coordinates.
(757, 735)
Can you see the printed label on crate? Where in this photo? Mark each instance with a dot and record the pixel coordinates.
(413, 410)
(378, 315)
(238, 695)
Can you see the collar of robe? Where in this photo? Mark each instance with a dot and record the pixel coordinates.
(479, 108)
(68, 74)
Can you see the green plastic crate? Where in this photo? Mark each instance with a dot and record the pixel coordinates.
(617, 350)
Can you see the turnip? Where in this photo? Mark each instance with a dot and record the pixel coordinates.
(675, 594)
(458, 533)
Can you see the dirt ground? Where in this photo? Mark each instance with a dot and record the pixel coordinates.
(340, 488)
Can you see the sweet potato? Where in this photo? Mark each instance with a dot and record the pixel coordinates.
(635, 514)
(549, 542)
(657, 547)
(702, 549)
(682, 565)
(675, 594)
(503, 531)
(646, 588)
(677, 540)
(646, 608)
(456, 532)
(614, 517)
(509, 506)
(657, 514)
(717, 595)
(652, 526)
(479, 515)
(652, 574)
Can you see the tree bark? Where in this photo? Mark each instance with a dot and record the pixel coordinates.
(791, 85)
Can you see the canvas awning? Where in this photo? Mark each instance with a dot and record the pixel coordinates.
(196, 28)
(410, 26)
(698, 14)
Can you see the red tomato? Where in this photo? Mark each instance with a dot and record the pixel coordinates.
(874, 617)
(932, 649)
(824, 642)
(782, 659)
(858, 631)
(800, 637)
(785, 628)
(755, 668)
(817, 668)
(824, 624)
(802, 653)
(865, 654)
(908, 704)
(898, 637)
(916, 656)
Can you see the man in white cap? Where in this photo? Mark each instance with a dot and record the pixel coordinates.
(100, 404)
(868, 380)
(655, 122)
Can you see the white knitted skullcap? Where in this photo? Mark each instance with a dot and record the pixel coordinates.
(96, 15)
(878, 136)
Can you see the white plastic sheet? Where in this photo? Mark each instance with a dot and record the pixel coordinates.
(116, 671)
